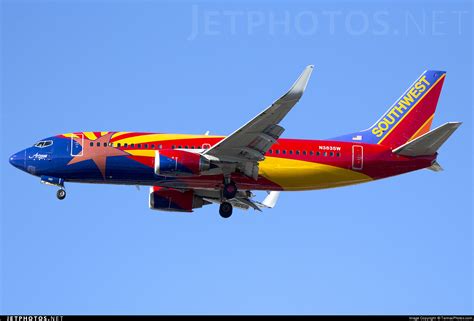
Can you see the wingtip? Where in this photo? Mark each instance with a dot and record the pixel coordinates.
(298, 88)
(456, 123)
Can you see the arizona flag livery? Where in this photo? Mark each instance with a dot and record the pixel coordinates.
(186, 172)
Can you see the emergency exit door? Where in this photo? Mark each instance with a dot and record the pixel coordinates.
(357, 157)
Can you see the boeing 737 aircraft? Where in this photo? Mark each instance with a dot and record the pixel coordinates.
(185, 172)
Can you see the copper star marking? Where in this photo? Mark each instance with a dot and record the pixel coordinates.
(98, 154)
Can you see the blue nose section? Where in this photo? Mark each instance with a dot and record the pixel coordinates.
(19, 160)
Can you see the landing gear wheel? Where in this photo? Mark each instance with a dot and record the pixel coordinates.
(230, 190)
(225, 209)
(61, 194)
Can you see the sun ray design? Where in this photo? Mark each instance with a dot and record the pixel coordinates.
(98, 152)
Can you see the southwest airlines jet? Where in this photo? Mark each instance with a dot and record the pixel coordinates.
(185, 172)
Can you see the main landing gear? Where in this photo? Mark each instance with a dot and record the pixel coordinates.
(61, 194)
(228, 192)
(225, 209)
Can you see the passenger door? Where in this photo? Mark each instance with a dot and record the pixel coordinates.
(77, 142)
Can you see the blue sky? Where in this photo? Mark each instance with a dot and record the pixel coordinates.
(402, 245)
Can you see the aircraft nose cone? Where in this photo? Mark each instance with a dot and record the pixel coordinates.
(18, 160)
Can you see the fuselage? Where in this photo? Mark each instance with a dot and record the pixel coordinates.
(290, 164)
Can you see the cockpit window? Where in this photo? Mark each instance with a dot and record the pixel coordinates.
(44, 143)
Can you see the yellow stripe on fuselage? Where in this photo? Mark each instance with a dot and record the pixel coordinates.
(158, 137)
(295, 175)
(141, 152)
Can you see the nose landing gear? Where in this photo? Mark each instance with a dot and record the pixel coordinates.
(61, 194)
(55, 181)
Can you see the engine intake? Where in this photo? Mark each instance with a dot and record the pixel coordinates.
(172, 162)
(172, 200)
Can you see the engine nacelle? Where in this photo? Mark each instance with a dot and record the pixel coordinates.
(172, 162)
(172, 200)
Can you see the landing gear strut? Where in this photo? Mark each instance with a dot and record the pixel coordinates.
(61, 194)
(225, 209)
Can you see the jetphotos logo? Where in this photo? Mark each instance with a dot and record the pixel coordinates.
(401, 107)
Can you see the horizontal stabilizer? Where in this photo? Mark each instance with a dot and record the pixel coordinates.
(429, 143)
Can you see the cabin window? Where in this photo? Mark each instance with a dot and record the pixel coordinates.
(311, 153)
(270, 151)
(179, 146)
(125, 145)
(91, 144)
(132, 145)
(110, 144)
(331, 154)
(277, 151)
(291, 152)
(283, 152)
(152, 146)
(318, 153)
(146, 146)
(297, 152)
(192, 147)
(325, 153)
(139, 145)
(187, 147)
(173, 147)
(118, 144)
(338, 154)
(105, 145)
(98, 144)
(304, 152)
(160, 146)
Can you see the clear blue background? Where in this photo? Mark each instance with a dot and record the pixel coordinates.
(402, 245)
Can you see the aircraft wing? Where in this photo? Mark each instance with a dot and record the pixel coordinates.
(248, 144)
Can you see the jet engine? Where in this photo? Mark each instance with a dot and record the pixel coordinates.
(173, 200)
(172, 162)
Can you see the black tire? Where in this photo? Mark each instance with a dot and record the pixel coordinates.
(229, 191)
(225, 209)
(61, 194)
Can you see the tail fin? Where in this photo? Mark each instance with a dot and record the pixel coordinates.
(409, 117)
(429, 143)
